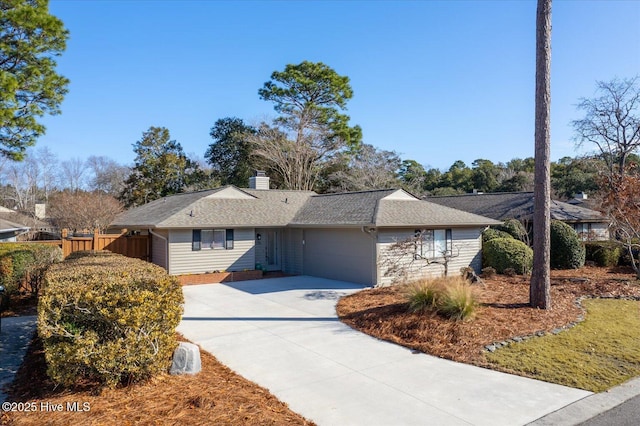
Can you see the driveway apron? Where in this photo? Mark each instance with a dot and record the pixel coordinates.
(283, 334)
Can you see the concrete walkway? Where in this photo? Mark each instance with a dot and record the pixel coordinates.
(284, 335)
(15, 335)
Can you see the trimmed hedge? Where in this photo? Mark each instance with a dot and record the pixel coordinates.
(108, 318)
(506, 253)
(515, 228)
(25, 264)
(567, 251)
(490, 233)
(603, 253)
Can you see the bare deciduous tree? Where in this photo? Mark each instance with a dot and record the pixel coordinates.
(539, 293)
(107, 175)
(81, 210)
(49, 166)
(30, 181)
(297, 162)
(74, 172)
(612, 122)
(369, 168)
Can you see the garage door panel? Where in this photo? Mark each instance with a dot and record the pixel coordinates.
(346, 255)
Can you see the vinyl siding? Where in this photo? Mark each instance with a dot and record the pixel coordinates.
(392, 265)
(339, 254)
(159, 249)
(183, 260)
(600, 231)
(260, 250)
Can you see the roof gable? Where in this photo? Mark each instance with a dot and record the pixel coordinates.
(230, 193)
(400, 194)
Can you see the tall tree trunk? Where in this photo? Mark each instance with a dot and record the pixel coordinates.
(539, 294)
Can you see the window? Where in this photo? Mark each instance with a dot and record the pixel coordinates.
(212, 239)
(433, 243)
(583, 230)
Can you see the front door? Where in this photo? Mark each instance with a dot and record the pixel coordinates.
(272, 246)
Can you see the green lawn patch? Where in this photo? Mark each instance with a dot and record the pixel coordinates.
(601, 352)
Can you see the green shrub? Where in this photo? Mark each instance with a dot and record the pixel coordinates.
(25, 264)
(515, 228)
(504, 253)
(567, 251)
(451, 297)
(108, 318)
(603, 253)
(491, 233)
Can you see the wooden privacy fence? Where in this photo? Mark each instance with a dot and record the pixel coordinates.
(128, 245)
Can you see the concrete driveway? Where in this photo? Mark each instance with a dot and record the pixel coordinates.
(283, 334)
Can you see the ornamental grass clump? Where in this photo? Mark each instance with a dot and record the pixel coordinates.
(450, 297)
(458, 301)
(108, 319)
(422, 295)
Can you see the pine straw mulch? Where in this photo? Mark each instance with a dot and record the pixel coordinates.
(503, 312)
(216, 395)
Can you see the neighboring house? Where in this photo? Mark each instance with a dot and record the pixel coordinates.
(38, 229)
(590, 224)
(9, 231)
(339, 236)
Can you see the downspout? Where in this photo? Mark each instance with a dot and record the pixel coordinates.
(166, 254)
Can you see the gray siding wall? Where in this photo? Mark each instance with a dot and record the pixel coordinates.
(340, 254)
(393, 266)
(292, 251)
(159, 249)
(260, 249)
(600, 231)
(182, 260)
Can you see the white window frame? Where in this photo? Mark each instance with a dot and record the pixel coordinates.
(212, 239)
(434, 243)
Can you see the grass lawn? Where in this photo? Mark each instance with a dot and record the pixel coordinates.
(597, 354)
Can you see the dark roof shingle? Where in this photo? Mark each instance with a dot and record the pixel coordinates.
(233, 207)
(515, 205)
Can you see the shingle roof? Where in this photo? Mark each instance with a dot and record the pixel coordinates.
(420, 213)
(198, 209)
(264, 208)
(515, 205)
(22, 220)
(347, 208)
(6, 225)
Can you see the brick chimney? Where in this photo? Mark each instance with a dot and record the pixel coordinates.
(259, 180)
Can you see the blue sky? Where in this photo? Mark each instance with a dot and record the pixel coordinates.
(436, 81)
